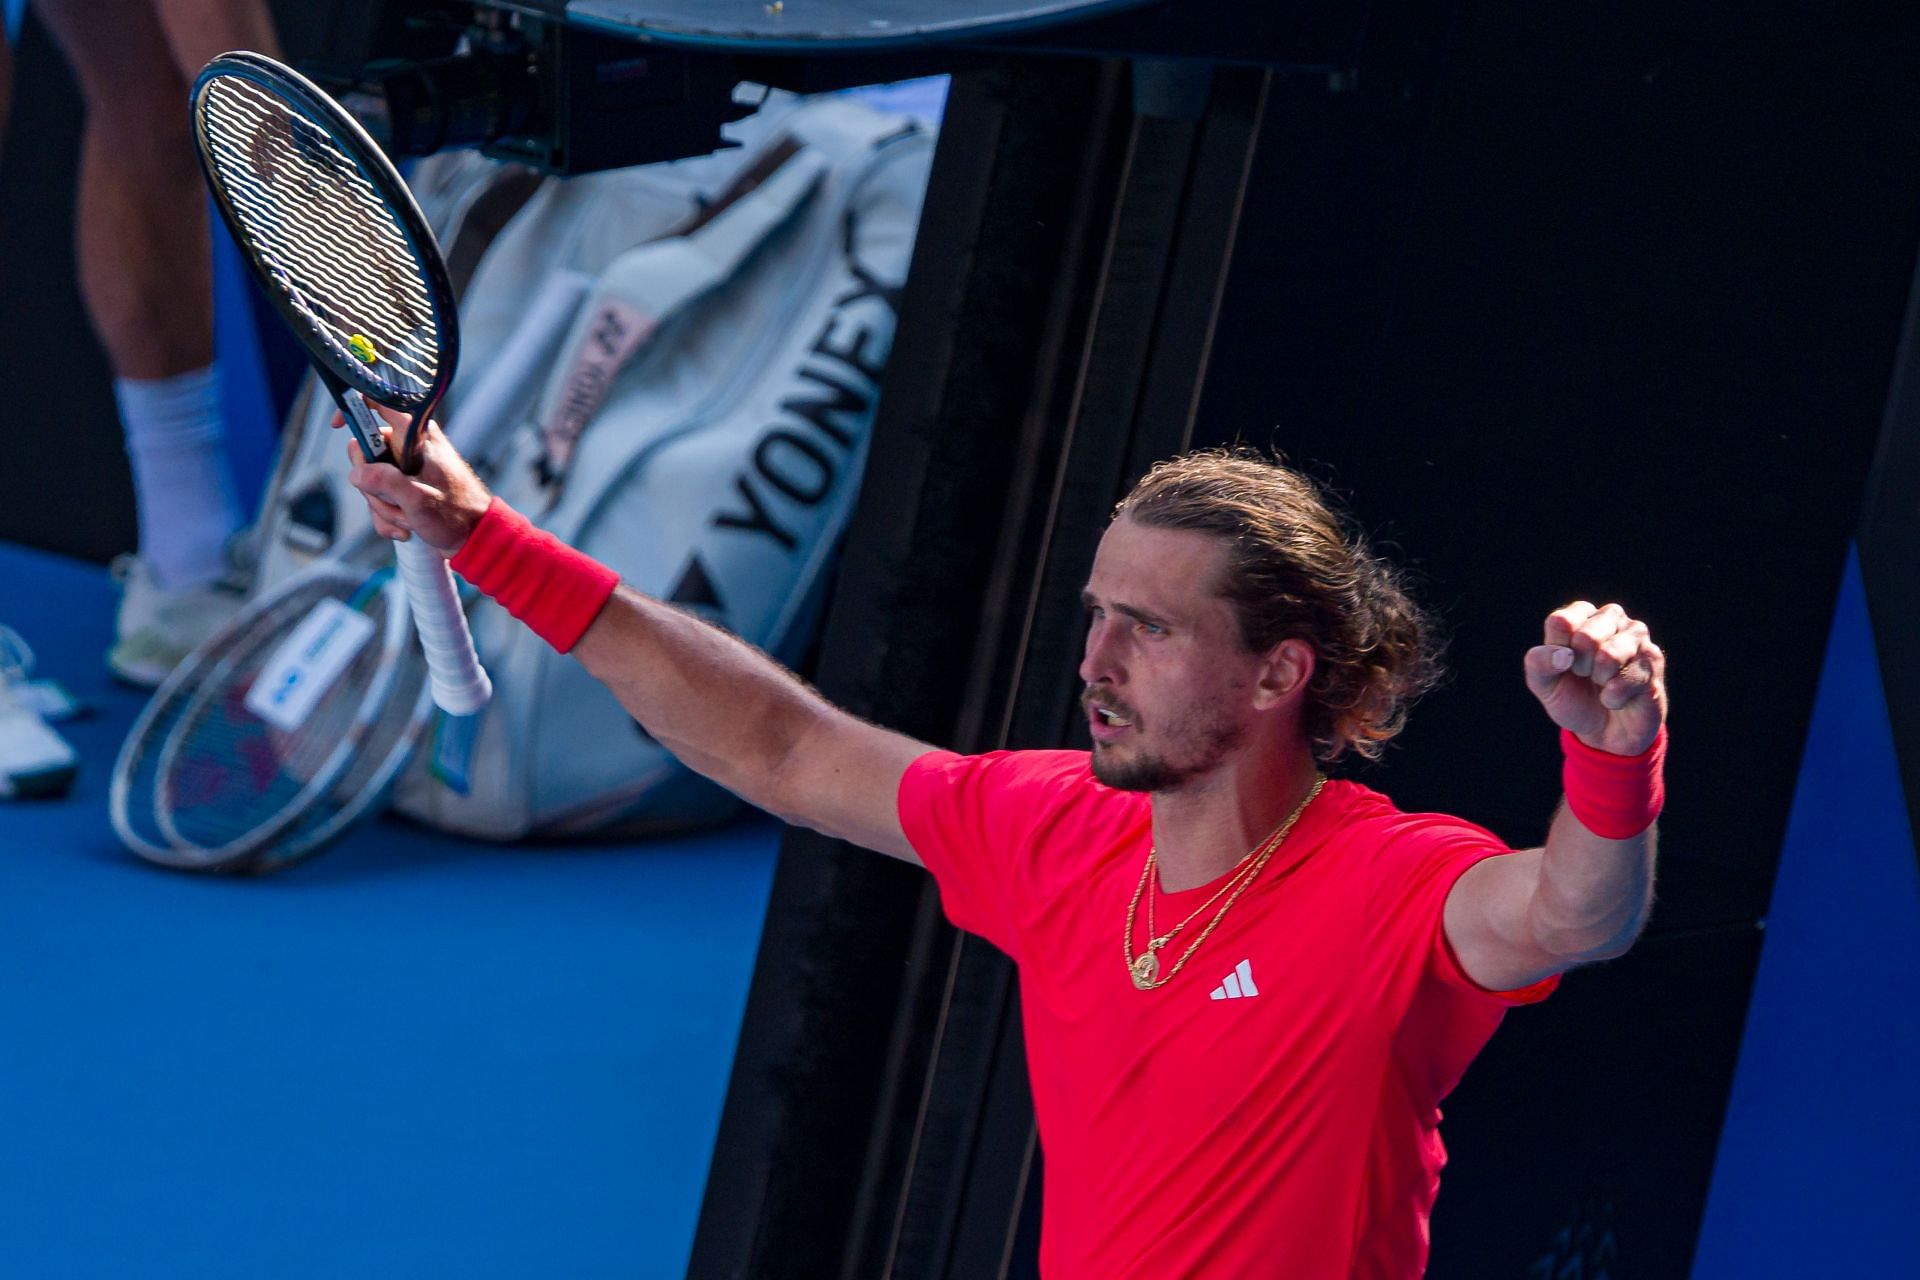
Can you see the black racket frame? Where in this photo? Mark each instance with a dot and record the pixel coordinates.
(338, 374)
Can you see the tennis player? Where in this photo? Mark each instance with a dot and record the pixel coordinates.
(1246, 988)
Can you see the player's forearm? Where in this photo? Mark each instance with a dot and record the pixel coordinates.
(1593, 894)
(721, 706)
(1603, 681)
(1596, 869)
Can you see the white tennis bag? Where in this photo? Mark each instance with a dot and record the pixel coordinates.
(675, 373)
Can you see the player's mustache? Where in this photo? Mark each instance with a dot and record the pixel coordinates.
(1093, 699)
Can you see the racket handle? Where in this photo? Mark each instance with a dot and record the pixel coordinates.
(460, 683)
(365, 425)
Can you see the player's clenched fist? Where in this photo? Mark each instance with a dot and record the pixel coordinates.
(1601, 677)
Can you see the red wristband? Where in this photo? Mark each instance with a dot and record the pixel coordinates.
(537, 578)
(1615, 797)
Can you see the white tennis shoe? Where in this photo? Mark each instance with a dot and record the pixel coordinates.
(35, 761)
(159, 626)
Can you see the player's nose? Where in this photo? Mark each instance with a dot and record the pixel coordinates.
(1097, 659)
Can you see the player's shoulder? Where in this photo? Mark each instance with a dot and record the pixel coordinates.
(1037, 771)
(1037, 781)
(1370, 821)
(1016, 764)
(1029, 797)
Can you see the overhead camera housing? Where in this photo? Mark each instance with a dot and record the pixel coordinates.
(557, 98)
(572, 86)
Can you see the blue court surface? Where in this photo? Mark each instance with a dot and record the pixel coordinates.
(412, 1056)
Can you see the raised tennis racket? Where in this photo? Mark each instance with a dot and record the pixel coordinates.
(337, 243)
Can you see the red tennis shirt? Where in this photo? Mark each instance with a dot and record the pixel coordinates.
(1271, 1111)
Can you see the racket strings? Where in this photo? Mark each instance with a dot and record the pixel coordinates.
(387, 743)
(335, 304)
(279, 144)
(161, 774)
(227, 774)
(203, 783)
(324, 233)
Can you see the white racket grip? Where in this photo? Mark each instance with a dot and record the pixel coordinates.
(460, 683)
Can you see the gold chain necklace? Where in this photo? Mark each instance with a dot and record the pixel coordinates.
(1144, 968)
(1245, 867)
(1260, 851)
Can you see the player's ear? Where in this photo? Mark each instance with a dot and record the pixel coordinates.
(1286, 670)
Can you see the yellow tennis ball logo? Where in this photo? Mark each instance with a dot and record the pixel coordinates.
(362, 348)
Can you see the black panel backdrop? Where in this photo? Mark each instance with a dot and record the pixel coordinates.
(63, 475)
(1596, 305)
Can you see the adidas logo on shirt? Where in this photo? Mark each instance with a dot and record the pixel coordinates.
(1239, 983)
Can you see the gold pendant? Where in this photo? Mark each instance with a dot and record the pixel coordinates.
(1145, 968)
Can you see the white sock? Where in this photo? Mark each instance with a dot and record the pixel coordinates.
(182, 485)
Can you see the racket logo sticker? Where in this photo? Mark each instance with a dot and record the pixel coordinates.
(307, 663)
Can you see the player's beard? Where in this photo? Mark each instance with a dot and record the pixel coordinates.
(1145, 771)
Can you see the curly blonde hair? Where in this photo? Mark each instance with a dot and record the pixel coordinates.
(1297, 567)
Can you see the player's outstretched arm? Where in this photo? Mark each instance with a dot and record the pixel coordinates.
(1585, 894)
(720, 705)
(733, 714)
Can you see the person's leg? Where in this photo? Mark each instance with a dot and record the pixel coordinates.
(198, 31)
(143, 236)
(144, 251)
(141, 221)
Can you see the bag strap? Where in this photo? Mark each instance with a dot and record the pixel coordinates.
(643, 288)
(484, 220)
(493, 405)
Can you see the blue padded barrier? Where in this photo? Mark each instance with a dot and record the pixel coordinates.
(1819, 1161)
